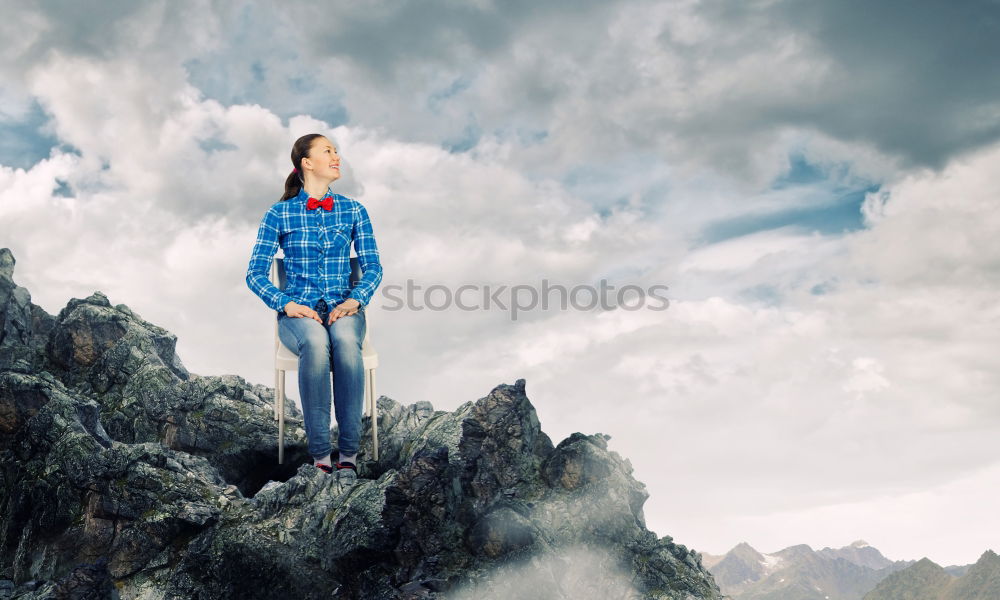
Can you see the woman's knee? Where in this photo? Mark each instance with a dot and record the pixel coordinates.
(348, 334)
(309, 336)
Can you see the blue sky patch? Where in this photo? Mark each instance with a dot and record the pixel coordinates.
(830, 206)
(760, 295)
(823, 288)
(253, 66)
(611, 183)
(62, 189)
(468, 139)
(215, 145)
(800, 172)
(841, 214)
(437, 98)
(22, 143)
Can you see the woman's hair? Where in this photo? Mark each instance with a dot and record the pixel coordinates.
(300, 150)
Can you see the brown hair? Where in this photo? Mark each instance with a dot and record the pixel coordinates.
(300, 150)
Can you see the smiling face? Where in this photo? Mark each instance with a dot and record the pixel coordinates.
(323, 159)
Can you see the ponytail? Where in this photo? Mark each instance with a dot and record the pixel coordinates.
(300, 150)
(293, 184)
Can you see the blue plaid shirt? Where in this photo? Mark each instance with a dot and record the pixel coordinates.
(317, 247)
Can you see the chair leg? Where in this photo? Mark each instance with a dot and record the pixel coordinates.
(374, 413)
(275, 403)
(280, 392)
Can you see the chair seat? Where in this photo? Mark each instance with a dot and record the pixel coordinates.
(286, 360)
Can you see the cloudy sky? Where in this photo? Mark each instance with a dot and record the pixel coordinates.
(814, 182)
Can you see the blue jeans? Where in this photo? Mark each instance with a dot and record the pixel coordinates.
(318, 347)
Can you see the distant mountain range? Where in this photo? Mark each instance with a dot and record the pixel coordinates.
(928, 581)
(855, 572)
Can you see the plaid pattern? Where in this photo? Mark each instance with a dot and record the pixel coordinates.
(317, 247)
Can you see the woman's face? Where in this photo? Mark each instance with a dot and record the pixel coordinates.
(323, 159)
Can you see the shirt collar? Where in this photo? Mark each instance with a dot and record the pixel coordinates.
(303, 195)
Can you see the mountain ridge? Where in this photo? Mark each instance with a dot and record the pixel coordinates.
(926, 580)
(129, 476)
(800, 572)
(855, 572)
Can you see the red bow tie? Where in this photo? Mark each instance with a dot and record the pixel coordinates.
(326, 203)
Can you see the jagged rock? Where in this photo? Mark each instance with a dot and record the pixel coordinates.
(126, 476)
(18, 347)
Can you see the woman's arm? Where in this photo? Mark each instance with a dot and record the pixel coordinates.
(371, 268)
(260, 264)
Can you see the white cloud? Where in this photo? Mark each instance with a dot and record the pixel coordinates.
(728, 404)
(872, 390)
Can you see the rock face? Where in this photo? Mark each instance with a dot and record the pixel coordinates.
(125, 476)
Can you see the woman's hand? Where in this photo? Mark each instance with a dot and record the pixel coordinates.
(293, 309)
(344, 309)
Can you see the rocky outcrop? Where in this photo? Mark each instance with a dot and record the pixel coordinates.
(126, 476)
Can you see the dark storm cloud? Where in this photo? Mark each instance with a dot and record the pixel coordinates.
(90, 29)
(923, 78)
(916, 80)
(387, 37)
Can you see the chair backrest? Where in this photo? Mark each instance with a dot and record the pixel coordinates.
(277, 277)
(278, 272)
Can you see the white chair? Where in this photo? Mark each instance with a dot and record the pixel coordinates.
(287, 360)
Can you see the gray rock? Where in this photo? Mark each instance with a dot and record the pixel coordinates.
(126, 476)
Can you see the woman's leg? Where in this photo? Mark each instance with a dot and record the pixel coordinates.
(309, 340)
(346, 335)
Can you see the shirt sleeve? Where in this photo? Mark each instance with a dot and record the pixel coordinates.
(367, 250)
(260, 264)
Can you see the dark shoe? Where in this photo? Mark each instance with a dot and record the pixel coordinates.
(344, 466)
(324, 468)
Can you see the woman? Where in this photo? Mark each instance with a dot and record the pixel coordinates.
(320, 316)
